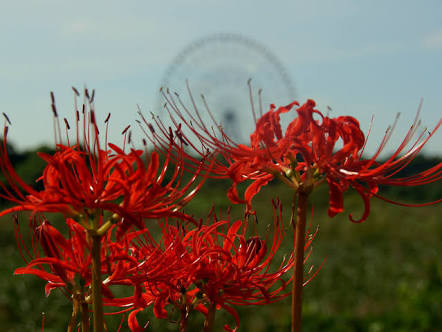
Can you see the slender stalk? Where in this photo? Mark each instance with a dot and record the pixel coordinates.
(97, 302)
(183, 321)
(298, 269)
(43, 316)
(84, 317)
(73, 320)
(210, 319)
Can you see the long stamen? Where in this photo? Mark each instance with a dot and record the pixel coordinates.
(67, 130)
(6, 118)
(106, 130)
(57, 128)
(124, 133)
(249, 83)
(77, 126)
(260, 103)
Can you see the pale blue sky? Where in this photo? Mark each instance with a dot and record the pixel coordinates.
(362, 58)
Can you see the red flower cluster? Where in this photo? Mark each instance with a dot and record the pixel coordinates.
(86, 178)
(69, 258)
(191, 268)
(103, 191)
(314, 148)
(210, 267)
(218, 266)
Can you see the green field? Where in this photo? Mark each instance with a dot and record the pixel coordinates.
(382, 275)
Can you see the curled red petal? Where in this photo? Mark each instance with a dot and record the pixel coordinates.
(158, 308)
(235, 315)
(255, 187)
(39, 273)
(366, 199)
(133, 322)
(336, 199)
(232, 195)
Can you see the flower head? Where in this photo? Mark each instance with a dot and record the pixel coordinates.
(216, 264)
(68, 259)
(315, 148)
(87, 175)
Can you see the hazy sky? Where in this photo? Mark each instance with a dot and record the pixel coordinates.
(362, 58)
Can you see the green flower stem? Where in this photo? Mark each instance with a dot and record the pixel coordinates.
(183, 320)
(84, 317)
(97, 302)
(298, 269)
(71, 326)
(210, 319)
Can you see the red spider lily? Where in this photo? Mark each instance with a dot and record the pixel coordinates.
(155, 277)
(212, 265)
(68, 264)
(154, 193)
(314, 148)
(345, 166)
(153, 270)
(230, 268)
(85, 178)
(69, 259)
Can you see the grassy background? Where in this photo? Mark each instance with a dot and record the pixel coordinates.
(382, 275)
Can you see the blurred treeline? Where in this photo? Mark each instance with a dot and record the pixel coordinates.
(382, 275)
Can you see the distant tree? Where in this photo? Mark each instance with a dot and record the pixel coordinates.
(429, 192)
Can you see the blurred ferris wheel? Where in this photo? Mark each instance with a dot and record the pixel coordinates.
(219, 66)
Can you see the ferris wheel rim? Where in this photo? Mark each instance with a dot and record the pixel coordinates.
(239, 39)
